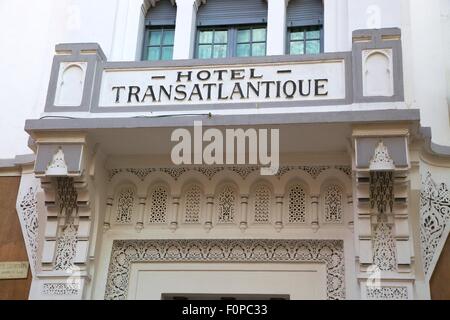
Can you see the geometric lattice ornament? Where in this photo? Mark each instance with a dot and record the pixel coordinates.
(262, 204)
(192, 204)
(333, 204)
(297, 204)
(159, 203)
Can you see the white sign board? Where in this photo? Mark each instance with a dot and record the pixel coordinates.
(275, 82)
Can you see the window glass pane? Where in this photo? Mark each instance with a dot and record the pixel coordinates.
(155, 38)
(205, 37)
(313, 34)
(153, 53)
(220, 36)
(220, 51)
(313, 47)
(243, 50)
(258, 49)
(168, 37)
(297, 47)
(204, 51)
(167, 53)
(297, 35)
(243, 36)
(259, 35)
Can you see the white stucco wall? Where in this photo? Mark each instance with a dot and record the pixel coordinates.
(30, 29)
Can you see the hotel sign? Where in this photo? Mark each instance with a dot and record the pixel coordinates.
(274, 82)
(14, 270)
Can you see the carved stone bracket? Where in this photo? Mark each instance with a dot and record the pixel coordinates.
(66, 226)
(382, 167)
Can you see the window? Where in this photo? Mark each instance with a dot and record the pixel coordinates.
(159, 31)
(231, 41)
(251, 42)
(212, 43)
(305, 40)
(159, 44)
(304, 19)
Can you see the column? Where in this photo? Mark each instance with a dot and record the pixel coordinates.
(128, 31)
(140, 221)
(335, 26)
(276, 27)
(315, 212)
(350, 206)
(209, 212)
(107, 222)
(244, 210)
(185, 28)
(176, 208)
(279, 213)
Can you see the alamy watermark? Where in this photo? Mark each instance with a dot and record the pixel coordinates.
(233, 146)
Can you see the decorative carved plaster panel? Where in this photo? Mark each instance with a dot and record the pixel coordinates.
(333, 212)
(296, 204)
(262, 205)
(384, 256)
(211, 171)
(434, 217)
(381, 159)
(66, 196)
(226, 206)
(126, 252)
(387, 293)
(381, 190)
(60, 289)
(57, 166)
(66, 248)
(125, 205)
(28, 215)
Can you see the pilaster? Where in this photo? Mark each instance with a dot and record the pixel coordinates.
(383, 238)
(276, 27)
(185, 29)
(67, 212)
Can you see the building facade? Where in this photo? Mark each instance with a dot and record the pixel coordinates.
(133, 184)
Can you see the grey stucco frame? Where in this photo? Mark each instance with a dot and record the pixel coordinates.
(377, 39)
(247, 61)
(371, 116)
(92, 54)
(97, 65)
